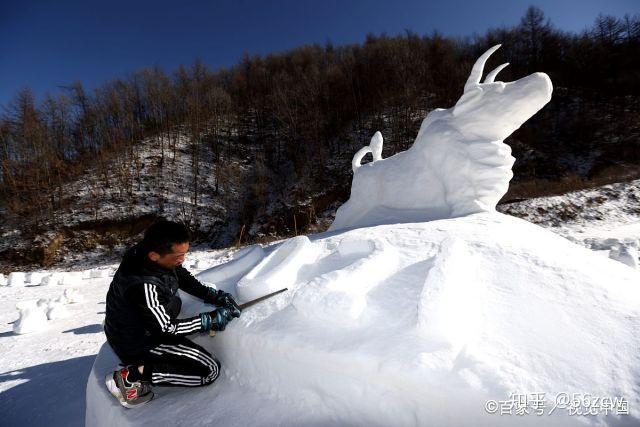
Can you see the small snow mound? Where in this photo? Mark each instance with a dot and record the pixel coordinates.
(55, 278)
(57, 310)
(36, 278)
(625, 254)
(72, 296)
(98, 274)
(32, 317)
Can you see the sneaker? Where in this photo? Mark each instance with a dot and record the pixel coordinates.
(129, 394)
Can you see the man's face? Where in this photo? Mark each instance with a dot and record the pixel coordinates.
(172, 259)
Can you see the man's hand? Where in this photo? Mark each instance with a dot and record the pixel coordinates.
(220, 317)
(223, 299)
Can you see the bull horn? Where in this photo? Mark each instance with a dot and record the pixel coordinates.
(492, 75)
(478, 67)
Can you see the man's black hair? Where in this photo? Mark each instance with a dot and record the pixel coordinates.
(162, 235)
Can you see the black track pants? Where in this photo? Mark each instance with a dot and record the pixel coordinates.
(180, 362)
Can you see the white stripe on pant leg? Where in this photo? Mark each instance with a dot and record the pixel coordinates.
(182, 353)
(171, 378)
(157, 380)
(189, 351)
(204, 355)
(176, 382)
(171, 374)
(168, 377)
(198, 351)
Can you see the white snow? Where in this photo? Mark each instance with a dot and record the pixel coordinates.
(276, 271)
(243, 261)
(16, 278)
(472, 308)
(32, 317)
(399, 315)
(458, 163)
(625, 254)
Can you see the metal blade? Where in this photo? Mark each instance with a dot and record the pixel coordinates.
(262, 298)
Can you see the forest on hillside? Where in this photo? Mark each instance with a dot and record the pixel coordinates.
(302, 110)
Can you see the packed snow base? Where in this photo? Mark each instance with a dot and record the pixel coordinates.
(409, 324)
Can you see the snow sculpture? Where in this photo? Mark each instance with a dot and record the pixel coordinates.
(457, 165)
(72, 296)
(32, 317)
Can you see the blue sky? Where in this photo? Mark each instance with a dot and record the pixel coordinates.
(46, 44)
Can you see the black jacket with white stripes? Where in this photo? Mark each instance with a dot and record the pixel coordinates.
(143, 305)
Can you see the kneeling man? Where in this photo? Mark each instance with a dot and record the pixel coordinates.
(141, 321)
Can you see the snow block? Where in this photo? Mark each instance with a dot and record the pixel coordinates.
(54, 278)
(72, 278)
(16, 278)
(36, 278)
(278, 270)
(243, 261)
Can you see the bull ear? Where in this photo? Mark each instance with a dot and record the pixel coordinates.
(492, 75)
(478, 68)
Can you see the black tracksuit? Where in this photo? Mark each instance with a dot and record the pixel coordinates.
(142, 327)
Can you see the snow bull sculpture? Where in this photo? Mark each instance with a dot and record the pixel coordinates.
(457, 165)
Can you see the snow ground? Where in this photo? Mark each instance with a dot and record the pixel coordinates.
(51, 367)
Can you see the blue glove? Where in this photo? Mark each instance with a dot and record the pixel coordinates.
(216, 319)
(223, 299)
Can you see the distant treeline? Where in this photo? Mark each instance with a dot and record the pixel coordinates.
(302, 109)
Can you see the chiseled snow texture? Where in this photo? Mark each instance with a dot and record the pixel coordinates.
(413, 324)
(458, 163)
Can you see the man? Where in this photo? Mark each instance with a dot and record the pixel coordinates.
(141, 321)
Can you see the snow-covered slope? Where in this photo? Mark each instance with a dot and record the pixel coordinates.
(413, 324)
(603, 218)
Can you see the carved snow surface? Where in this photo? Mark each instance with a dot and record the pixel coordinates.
(410, 325)
(457, 165)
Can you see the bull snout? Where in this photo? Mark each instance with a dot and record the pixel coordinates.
(536, 88)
